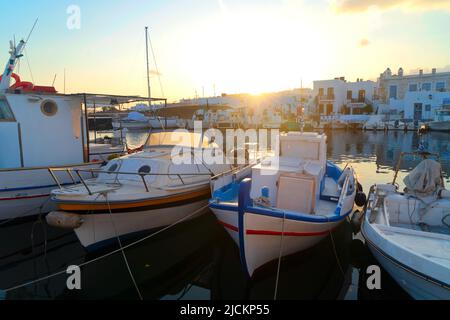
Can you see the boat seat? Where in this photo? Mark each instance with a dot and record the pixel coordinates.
(296, 192)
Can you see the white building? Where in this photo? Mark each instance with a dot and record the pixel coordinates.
(399, 92)
(332, 95)
(421, 105)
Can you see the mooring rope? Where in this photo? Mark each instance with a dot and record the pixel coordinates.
(23, 214)
(4, 292)
(280, 257)
(336, 254)
(121, 247)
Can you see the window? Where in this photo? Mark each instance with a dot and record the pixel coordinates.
(440, 86)
(49, 108)
(145, 170)
(330, 92)
(393, 92)
(321, 92)
(413, 87)
(113, 168)
(5, 111)
(362, 96)
(329, 109)
(426, 86)
(428, 107)
(349, 95)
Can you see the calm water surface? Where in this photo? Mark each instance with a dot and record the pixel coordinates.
(198, 260)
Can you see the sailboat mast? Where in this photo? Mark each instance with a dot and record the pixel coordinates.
(148, 69)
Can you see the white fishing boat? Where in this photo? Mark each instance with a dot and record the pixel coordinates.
(409, 232)
(280, 207)
(139, 192)
(40, 128)
(442, 119)
(134, 121)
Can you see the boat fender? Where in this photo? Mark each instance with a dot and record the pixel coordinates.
(64, 220)
(356, 221)
(360, 187)
(2, 295)
(360, 199)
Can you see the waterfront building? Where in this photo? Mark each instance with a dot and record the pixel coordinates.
(338, 96)
(413, 96)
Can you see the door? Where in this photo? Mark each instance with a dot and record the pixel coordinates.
(417, 111)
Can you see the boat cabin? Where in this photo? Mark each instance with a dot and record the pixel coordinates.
(295, 182)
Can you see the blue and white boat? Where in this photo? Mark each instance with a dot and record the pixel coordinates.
(284, 204)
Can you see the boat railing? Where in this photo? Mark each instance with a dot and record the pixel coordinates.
(234, 170)
(99, 171)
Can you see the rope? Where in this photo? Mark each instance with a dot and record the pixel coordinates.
(156, 66)
(28, 63)
(336, 255)
(279, 257)
(121, 247)
(108, 254)
(25, 213)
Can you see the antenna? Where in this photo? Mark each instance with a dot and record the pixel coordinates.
(64, 80)
(32, 29)
(148, 69)
(54, 79)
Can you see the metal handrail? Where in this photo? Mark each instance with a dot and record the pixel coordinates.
(220, 175)
(99, 171)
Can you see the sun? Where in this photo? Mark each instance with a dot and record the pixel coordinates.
(253, 52)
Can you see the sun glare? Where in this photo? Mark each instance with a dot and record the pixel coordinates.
(255, 52)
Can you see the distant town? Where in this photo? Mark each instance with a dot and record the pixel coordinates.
(394, 101)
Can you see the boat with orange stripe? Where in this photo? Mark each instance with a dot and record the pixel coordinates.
(138, 192)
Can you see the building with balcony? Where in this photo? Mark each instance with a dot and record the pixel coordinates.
(338, 96)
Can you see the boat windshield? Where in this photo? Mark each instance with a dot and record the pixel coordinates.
(178, 138)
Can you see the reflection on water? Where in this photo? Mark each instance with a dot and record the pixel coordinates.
(198, 260)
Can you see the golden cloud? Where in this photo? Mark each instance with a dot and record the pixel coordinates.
(352, 6)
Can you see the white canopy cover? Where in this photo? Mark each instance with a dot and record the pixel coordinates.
(425, 179)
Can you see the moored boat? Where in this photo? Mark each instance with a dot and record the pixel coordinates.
(282, 206)
(139, 192)
(442, 118)
(408, 232)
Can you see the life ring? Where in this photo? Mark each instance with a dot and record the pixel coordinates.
(15, 76)
(24, 85)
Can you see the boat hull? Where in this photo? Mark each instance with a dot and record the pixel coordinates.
(440, 126)
(418, 286)
(99, 230)
(262, 236)
(26, 192)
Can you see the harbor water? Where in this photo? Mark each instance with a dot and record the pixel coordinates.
(197, 260)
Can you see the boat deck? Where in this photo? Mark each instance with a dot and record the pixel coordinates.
(433, 246)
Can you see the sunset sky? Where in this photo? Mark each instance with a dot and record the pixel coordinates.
(237, 45)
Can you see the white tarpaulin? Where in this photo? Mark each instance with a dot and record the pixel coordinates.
(425, 178)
